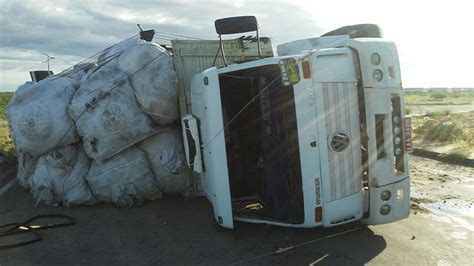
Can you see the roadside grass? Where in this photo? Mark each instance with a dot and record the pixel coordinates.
(6, 144)
(445, 132)
(439, 98)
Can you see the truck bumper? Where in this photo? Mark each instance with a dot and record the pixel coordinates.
(398, 204)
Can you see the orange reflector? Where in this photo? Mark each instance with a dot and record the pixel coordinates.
(318, 214)
(306, 70)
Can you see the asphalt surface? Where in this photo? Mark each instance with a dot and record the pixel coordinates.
(182, 231)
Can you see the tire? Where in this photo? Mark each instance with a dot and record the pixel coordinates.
(236, 25)
(358, 31)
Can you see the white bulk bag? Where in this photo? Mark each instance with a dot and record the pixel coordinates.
(59, 178)
(165, 154)
(154, 80)
(38, 117)
(79, 71)
(124, 179)
(107, 115)
(113, 52)
(23, 88)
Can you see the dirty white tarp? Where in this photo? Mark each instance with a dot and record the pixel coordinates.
(77, 134)
(38, 118)
(107, 115)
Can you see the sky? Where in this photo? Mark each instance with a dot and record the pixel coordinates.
(435, 40)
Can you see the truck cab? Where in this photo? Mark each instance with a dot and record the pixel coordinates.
(316, 136)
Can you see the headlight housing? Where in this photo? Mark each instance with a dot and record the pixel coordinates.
(398, 151)
(377, 75)
(385, 195)
(396, 119)
(385, 209)
(398, 140)
(375, 59)
(397, 130)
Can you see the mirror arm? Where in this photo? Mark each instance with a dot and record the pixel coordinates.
(222, 49)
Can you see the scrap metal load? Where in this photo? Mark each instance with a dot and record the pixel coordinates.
(102, 131)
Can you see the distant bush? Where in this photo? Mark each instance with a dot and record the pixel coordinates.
(439, 95)
(4, 100)
(439, 112)
(407, 111)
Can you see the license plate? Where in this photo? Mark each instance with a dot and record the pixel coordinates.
(407, 134)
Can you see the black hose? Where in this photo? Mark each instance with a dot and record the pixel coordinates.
(26, 227)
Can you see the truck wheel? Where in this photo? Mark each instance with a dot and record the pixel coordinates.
(234, 25)
(358, 31)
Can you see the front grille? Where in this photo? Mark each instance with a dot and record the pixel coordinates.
(342, 131)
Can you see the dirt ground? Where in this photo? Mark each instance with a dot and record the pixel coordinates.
(181, 231)
(442, 187)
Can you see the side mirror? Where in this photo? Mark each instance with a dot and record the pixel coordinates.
(40, 75)
(234, 25)
(146, 35)
(191, 142)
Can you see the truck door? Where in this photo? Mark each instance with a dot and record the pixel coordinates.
(206, 107)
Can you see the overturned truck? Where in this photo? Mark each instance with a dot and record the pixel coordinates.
(316, 136)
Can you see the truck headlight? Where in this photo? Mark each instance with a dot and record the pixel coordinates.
(385, 209)
(377, 75)
(385, 195)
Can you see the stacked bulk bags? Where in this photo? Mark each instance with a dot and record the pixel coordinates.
(103, 131)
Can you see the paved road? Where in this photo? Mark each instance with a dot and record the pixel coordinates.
(180, 231)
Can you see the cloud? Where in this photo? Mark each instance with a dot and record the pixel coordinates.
(77, 29)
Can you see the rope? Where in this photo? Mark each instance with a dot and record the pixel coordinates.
(283, 250)
(90, 58)
(178, 35)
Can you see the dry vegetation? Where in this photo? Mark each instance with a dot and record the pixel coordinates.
(445, 132)
(441, 130)
(439, 98)
(6, 144)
